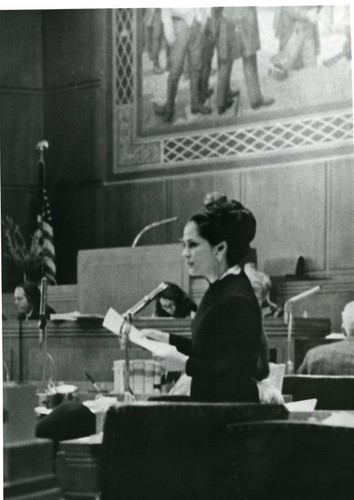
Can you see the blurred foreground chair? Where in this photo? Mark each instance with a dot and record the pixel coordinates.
(170, 450)
(292, 461)
(332, 392)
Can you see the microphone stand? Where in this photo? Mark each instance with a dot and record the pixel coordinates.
(289, 365)
(43, 338)
(128, 316)
(42, 327)
(128, 396)
(289, 319)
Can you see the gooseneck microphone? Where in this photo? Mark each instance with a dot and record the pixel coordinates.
(150, 226)
(145, 300)
(288, 318)
(303, 295)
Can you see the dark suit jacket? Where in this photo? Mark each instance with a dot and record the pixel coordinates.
(35, 314)
(332, 359)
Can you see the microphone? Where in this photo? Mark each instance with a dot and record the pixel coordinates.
(303, 295)
(42, 309)
(150, 226)
(43, 303)
(145, 300)
(288, 318)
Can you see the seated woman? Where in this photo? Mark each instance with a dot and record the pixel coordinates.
(174, 302)
(27, 297)
(227, 352)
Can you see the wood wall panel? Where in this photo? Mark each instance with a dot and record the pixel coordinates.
(21, 129)
(186, 194)
(74, 41)
(341, 217)
(289, 203)
(21, 49)
(72, 124)
(120, 277)
(77, 216)
(129, 207)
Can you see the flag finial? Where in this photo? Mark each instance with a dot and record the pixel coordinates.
(42, 145)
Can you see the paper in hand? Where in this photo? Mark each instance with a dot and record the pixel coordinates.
(114, 322)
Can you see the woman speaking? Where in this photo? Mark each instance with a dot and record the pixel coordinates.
(222, 357)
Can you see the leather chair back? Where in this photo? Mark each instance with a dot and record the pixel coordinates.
(332, 392)
(292, 460)
(171, 450)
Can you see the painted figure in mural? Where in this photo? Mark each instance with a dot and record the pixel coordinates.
(154, 37)
(239, 37)
(184, 30)
(211, 34)
(299, 40)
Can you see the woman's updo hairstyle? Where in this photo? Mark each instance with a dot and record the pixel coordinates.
(226, 220)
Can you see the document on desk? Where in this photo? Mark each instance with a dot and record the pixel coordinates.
(114, 322)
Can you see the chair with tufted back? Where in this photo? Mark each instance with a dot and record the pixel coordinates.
(164, 450)
(332, 392)
(292, 460)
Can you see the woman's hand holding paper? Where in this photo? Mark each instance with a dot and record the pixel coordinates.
(172, 360)
(157, 335)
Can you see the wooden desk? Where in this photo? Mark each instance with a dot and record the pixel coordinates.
(78, 347)
(75, 347)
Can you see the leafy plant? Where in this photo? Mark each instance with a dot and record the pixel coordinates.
(28, 257)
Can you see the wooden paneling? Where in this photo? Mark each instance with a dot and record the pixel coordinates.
(289, 205)
(77, 348)
(186, 194)
(21, 129)
(77, 216)
(72, 123)
(120, 277)
(327, 303)
(341, 216)
(21, 49)
(129, 207)
(74, 42)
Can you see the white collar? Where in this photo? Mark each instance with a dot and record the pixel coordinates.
(232, 270)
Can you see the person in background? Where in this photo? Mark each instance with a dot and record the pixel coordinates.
(27, 298)
(184, 32)
(336, 358)
(155, 37)
(261, 285)
(222, 357)
(239, 38)
(211, 34)
(174, 302)
(299, 40)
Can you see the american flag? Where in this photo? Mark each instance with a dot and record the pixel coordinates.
(45, 230)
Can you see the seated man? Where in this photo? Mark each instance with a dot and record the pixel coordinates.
(27, 299)
(336, 358)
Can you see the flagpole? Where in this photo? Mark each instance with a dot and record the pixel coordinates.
(41, 146)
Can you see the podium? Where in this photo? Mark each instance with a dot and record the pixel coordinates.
(119, 277)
